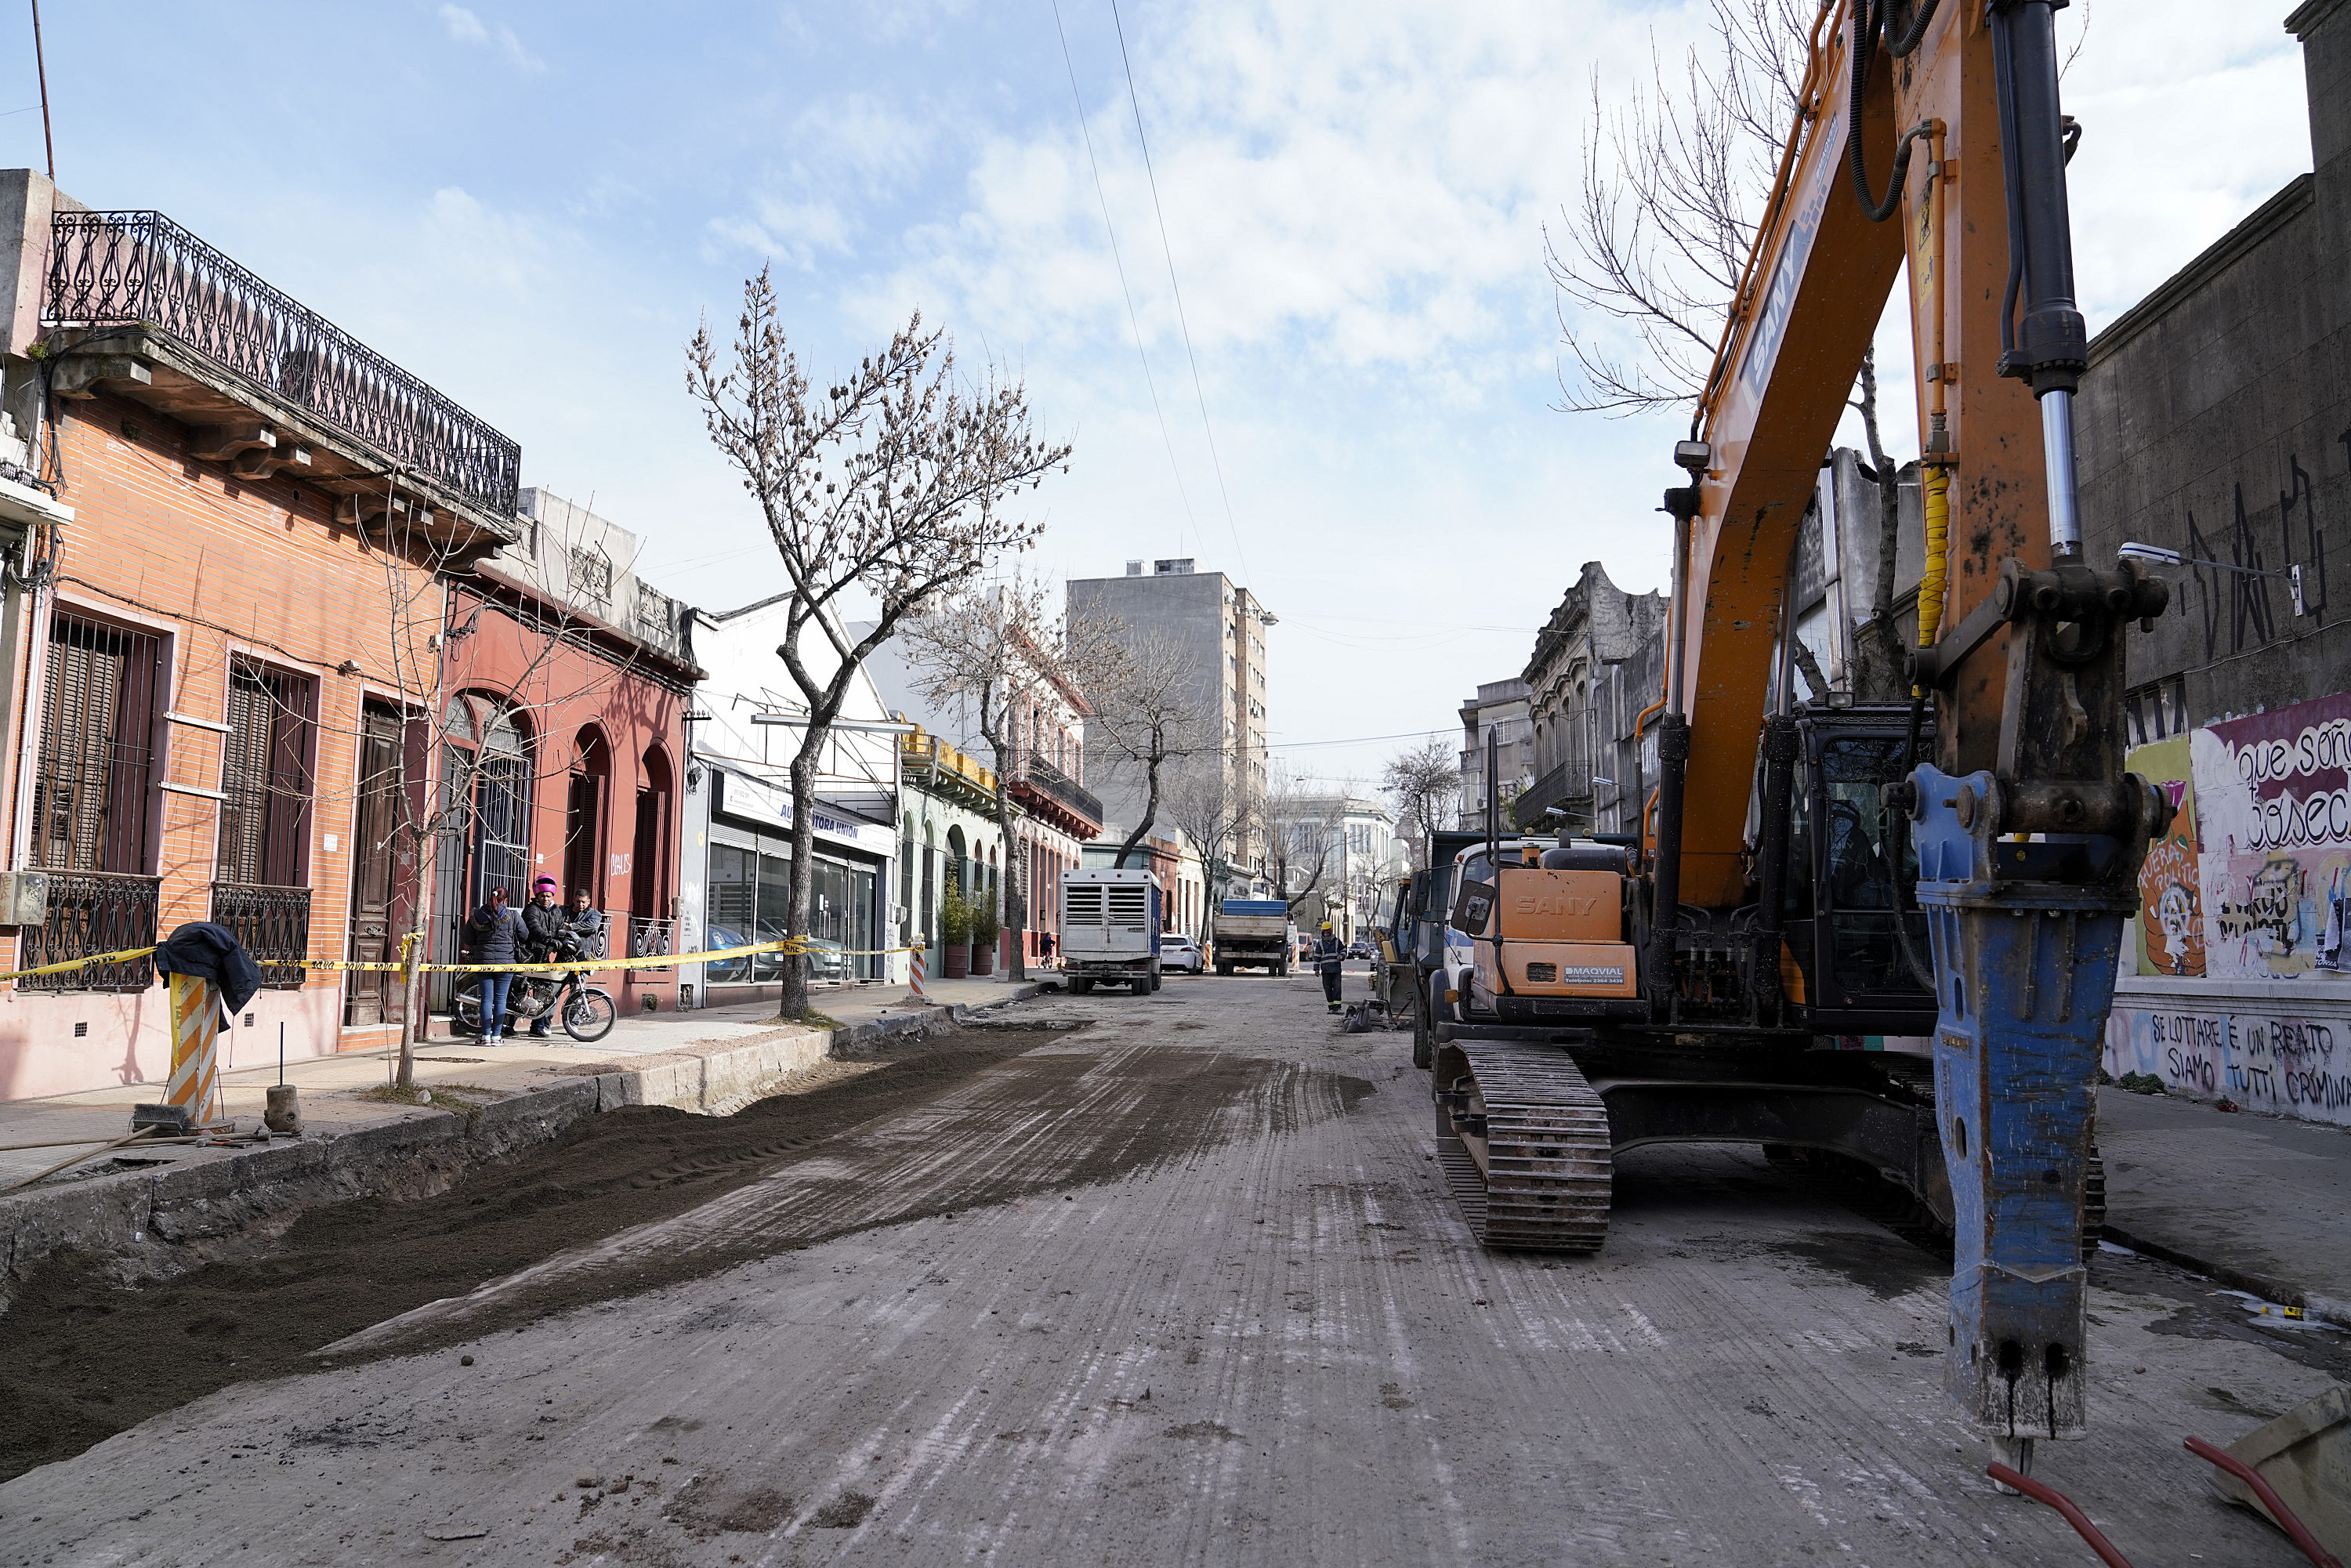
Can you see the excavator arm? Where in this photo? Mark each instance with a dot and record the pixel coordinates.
(1930, 131)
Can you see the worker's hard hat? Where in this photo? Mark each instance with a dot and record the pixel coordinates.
(1326, 926)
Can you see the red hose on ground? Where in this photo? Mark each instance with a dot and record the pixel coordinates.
(2064, 1506)
(2294, 1529)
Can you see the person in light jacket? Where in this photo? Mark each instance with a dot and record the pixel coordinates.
(494, 935)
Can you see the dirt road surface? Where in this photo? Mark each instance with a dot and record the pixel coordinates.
(1182, 1286)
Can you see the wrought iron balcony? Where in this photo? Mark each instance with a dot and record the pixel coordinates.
(93, 912)
(273, 923)
(651, 937)
(1057, 785)
(126, 268)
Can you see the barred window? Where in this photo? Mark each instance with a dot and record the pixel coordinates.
(266, 776)
(2158, 710)
(98, 747)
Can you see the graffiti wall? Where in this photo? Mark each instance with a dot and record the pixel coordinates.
(2171, 880)
(2270, 800)
(2287, 1063)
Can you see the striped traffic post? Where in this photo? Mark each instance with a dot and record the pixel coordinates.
(195, 1028)
(914, 972)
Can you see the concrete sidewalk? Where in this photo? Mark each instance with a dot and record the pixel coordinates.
(2259, 1203)
(334, 1088)
(149, 1210)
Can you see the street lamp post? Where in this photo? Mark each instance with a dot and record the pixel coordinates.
(2159, 556)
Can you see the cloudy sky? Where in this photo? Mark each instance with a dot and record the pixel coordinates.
(531, 205)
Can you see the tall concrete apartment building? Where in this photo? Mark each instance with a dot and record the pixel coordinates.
(1221, 626)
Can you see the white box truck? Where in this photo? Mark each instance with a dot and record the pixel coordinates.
(1110, 918)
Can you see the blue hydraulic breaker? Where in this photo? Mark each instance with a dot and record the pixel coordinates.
(2028, 868)
(2025, 936)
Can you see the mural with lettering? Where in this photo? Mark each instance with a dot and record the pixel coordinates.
(2272, 809)
(2170, 886)
(2280, 1062)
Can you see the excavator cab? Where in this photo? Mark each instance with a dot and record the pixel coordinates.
(1855, 958)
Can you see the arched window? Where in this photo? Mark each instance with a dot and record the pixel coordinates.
(906, 880)
(501, 802)
(484, 830)
(930, 910)
(583, 816)
(649, 856)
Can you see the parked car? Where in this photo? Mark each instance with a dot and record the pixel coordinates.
(1183, 953)
(1360, 950)
(765, 969)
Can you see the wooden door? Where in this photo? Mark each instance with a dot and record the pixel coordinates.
(378, 863)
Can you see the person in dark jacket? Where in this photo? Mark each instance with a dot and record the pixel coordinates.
(494, 937)
(1327, 954)
(585, 924)
(579, 935)
(546, 937)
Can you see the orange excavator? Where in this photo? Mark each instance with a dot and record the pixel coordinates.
(1951, 873)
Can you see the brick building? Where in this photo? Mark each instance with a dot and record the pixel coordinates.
(221, 673)
(564, 680)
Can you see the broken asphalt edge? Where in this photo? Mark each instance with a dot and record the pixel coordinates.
(144, 1224)
(2329, 1310)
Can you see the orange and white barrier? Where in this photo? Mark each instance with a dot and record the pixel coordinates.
(914, 972)
(195, 1029)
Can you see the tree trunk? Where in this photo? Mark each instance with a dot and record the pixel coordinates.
(1016, 882)
(794, 1003)
(1150, 810)
(1881, 673)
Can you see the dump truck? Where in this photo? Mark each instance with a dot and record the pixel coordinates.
(1111, 920)
(1252, 934)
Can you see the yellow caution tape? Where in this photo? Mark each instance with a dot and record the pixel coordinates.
(790, 946)
(126, 953)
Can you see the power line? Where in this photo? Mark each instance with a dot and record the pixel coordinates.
(1168, 250)
(1356, 740)
(1132, 321)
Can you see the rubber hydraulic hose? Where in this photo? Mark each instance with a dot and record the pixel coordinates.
(1935, 577)
(1867, 20)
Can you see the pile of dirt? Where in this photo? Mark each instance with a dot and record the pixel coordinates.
(88, 1359)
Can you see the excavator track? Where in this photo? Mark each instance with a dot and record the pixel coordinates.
(1523, 1140)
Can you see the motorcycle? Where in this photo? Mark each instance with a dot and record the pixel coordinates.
(589, 1011)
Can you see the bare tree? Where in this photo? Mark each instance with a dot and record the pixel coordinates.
(1424, 783)
(1674, 187)
(991, 652)
(1207, 804)
(1144, 691)
(1303, 831)
(889, 486)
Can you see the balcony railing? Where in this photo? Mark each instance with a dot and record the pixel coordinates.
(273, 923)
(651, 938)
(140, 268)
(1570, 780)
(937, 754)
(93, 912)
(1049, 780)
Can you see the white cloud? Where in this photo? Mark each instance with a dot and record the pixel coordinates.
(469, 28)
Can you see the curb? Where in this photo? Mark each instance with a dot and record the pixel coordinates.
(144, 1224)
(2329, 1310)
